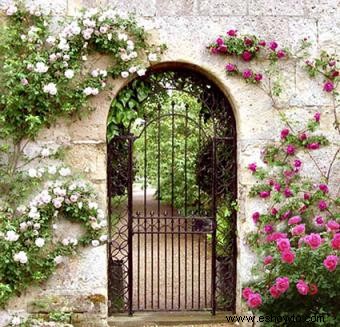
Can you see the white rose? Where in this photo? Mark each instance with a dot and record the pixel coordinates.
(11, 10)
(124, 74)
(93, 205)
(65, 172)
(66, 57)
(130, 45)
(39, 242)
(103, 238)
(36, 226)
(74, 198)
(57, 203)
(80, 205)
(69, 73)
(50, 88)
(73, 241)
(40, 67)
(132, 69)
(103, 72)
(109, 36)
(53, 57)
(95, 243)
(141, 72)
(52, 170)
(11, 236)
(45, 152)
(16, 321)
(152, 57)
(20, 257)
(46, 198)
(65, 241)
(133, 55)
(95, 73)
(103, 224)
(58, 259)
(50, 40)
(32, 173)
(103, 29)
(122, 37)
(23, 226)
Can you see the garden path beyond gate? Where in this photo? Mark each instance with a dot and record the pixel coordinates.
(173, 174)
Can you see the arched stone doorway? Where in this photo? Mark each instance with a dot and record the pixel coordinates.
(173, 232)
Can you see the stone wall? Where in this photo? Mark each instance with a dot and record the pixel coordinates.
(187, 26)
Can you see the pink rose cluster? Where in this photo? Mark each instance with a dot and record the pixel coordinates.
(281, 286)
(254, 300)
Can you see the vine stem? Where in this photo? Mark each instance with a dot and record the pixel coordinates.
(276, 108)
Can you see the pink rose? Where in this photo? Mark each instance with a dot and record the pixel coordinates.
(319, 221)
(232, 68)
(323, 188)
(294, 220)
(258, 77)
(286, 215)
(298, 229)
(302, 287)
(287, 192)
(232, 32)
(275, 292)
(322, 205)
(275, 236)
(280, 54)
(268, 229)
(313, 146)
(303, 136)
(219, 41)
(262, 43)
(246, 292)
(254, 300)
(332, 225)
(256, 217)
(283, 244)
(290, 149)
(268, 260)
(331, 262)
(264, 194)
(252, 167)
(284, 133)
(282, 284)
(336, 241)
(273, 45)
(288, 256)
(328, 86)
(247, 73)
(246, 55)
(313, 240)
(317, 116)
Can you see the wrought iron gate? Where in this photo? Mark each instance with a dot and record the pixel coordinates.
(163, 256)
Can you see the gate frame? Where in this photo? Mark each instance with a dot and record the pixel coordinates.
(169, 67)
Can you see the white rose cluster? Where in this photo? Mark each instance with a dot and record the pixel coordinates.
(50, 89)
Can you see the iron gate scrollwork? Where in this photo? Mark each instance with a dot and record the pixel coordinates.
(164, 253)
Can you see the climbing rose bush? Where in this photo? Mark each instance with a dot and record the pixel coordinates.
(43, 69)
(30, 250)
(246, 48)
(297, 238)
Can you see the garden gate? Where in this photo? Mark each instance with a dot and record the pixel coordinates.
(174, 256)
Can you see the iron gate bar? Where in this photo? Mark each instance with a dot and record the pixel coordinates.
(130, 203)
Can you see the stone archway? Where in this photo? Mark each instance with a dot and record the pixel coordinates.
(219, 271)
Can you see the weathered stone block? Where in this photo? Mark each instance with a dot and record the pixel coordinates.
(92, 303)
(89, 158)
(222, 7)
(277, 8)
(140, 8)
(88, 320)
(174, 7)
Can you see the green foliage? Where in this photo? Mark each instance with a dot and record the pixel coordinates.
(31, 61)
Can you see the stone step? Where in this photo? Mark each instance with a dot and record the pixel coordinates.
(152, 319)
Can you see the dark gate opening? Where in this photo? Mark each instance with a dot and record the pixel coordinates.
(171, 184)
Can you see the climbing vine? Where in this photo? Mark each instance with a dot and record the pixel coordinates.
(48, 72)
(297, 236)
